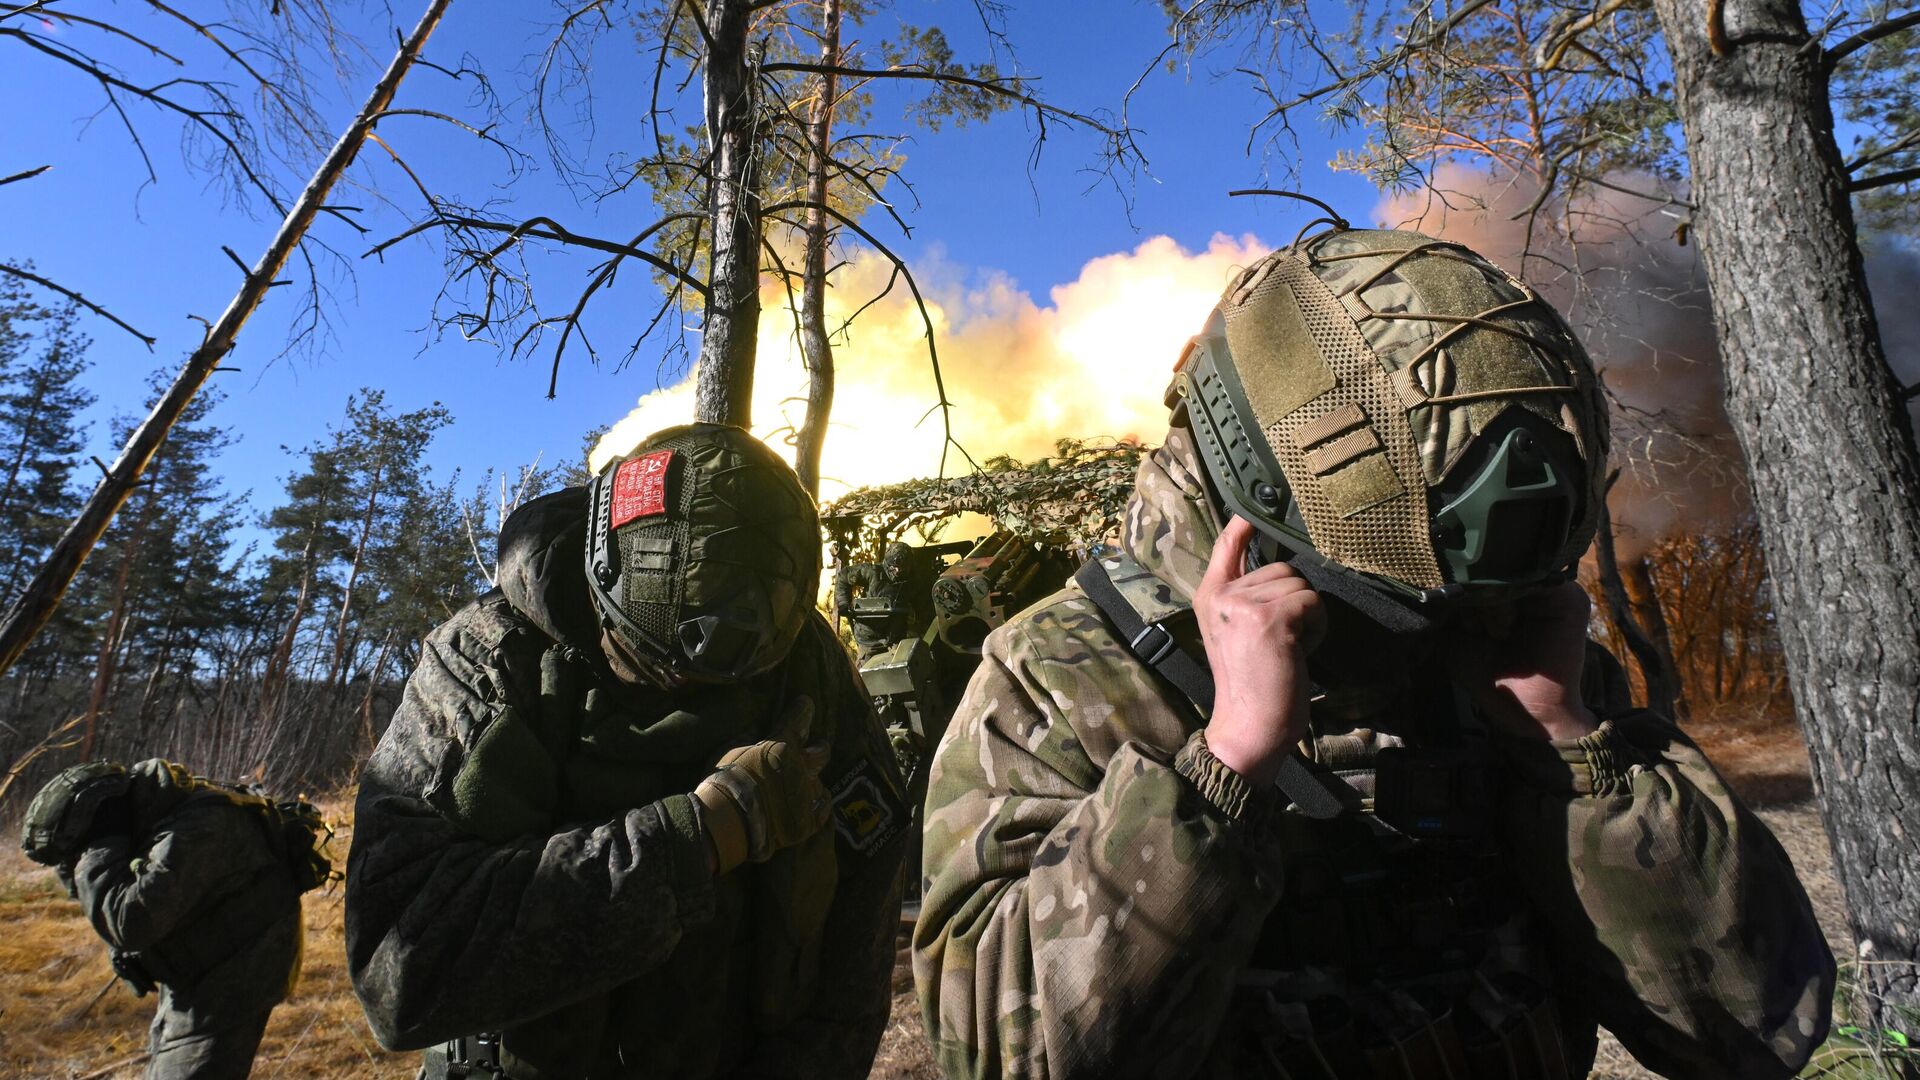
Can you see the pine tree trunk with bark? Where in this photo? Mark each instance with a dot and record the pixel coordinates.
(1836, 482)
(341, 649)
(1643, 599)
(724, 394)
(279, 667)
(1655, 664)
(816, 352)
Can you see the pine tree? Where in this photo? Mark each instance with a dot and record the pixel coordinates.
(156, 588)
(368, 555)
(42, 440)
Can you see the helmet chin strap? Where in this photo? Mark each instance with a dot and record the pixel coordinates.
(1391, 613)
(632, 667)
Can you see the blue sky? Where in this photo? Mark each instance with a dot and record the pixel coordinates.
(985, 222)
(153, 254)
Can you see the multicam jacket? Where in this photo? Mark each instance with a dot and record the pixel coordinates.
(526, 857)
(1104, 899)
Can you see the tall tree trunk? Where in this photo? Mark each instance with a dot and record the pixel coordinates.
(280, 660)
(724, 394)
(104, 664)
(816, 352)
(1656, 667)
(1643, 599)
(1836, 481)
(36, 605)
(373, 685)
(353, 575)
(162, 660)
(13, 482)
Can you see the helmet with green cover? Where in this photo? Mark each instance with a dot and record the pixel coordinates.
(61, 817)
(703, 554)
(1396, 406)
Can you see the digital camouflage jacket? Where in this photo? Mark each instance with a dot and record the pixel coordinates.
(1104, 899)
(527, 857)
(202, 903)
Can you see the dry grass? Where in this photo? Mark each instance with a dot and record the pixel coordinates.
(55, 1023)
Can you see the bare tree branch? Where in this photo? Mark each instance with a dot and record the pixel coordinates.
(545, 228)
(1910, 139)
(201, 118)
(926, 320)
(45, 283)
(1870, 35)
(1886, 179)
(27, 175)
(1009, 89)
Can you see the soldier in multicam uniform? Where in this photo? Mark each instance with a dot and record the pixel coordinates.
(194, 892)
(634, 816)
(1319, 776)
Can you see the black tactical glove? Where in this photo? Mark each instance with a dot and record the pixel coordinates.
(127, 965)
(768, 796)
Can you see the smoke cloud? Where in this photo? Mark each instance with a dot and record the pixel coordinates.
(1638, 300)
(1092, 360)
(1640, 303)
(1893, 276)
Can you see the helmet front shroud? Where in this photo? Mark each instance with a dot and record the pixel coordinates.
(703, 552)
(1397, 407)
(60, 817)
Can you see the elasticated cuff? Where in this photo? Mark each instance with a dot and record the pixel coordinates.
(688, 847)
(1228, 792)
(1598, 764)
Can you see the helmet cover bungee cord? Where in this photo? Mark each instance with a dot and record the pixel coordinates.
(1400, 407)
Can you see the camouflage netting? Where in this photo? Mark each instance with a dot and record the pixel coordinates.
(1074, 498)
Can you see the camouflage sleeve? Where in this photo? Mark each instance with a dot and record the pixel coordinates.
(850, 577)
(451, 933)
(1677, 917)
(136, 895)
(840, 1026)
(1079, 921)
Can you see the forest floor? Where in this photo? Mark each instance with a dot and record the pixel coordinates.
(62, 1017)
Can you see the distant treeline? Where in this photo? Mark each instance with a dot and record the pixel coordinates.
(179, 639)
(1705, 598)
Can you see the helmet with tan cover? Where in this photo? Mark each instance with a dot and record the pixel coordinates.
(1400, 407)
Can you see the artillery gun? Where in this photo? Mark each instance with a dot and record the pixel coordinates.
(920, 643)
(917, 679)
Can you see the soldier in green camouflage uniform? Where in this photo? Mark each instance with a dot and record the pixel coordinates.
(1493, 852)
(192, 895)
(902, 576)
(634, 816)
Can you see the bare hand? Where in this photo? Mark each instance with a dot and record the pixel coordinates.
(1521, 663)
(1258, 629)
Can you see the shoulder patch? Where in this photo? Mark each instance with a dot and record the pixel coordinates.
(640, 487)
(866, 810)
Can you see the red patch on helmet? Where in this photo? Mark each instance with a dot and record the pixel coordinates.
(640, 487)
